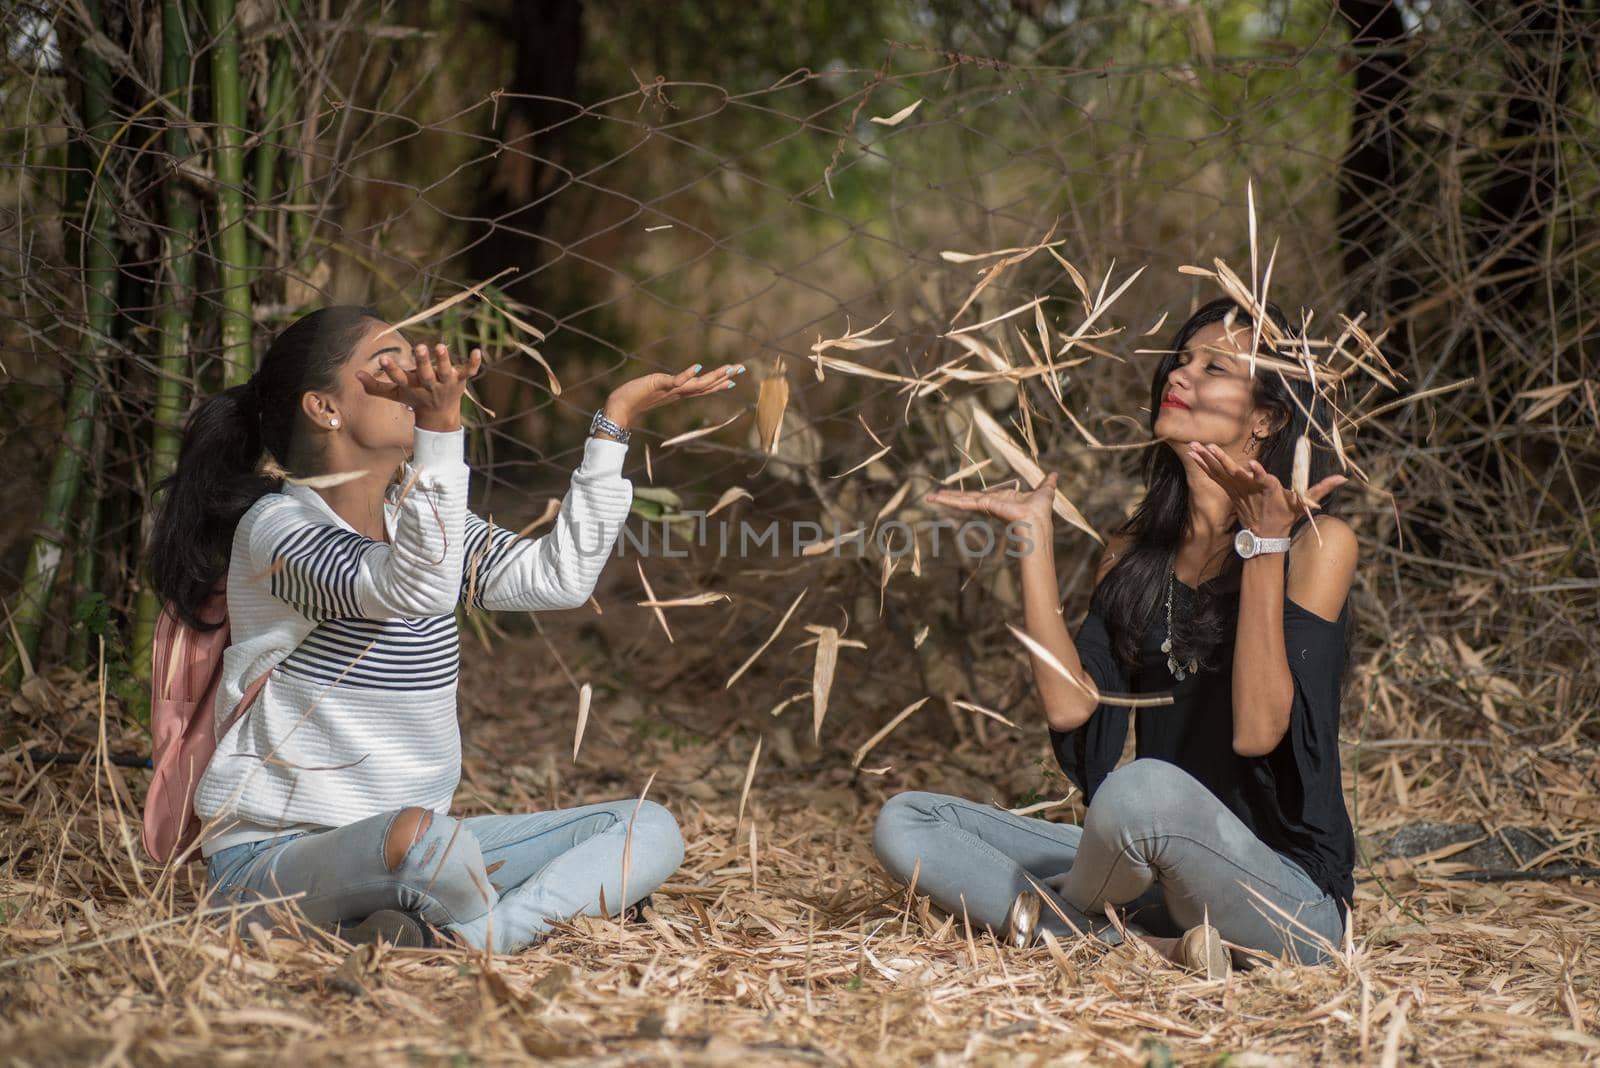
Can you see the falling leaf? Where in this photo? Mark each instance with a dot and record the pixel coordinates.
(898, 117)
(770, 639)
(822, 677)
(1302, 466)
(823, 546)
(729, 495)
(448, 302)
(920, 637)
(1024, 465)
(1051, 661)
(552, 508)
(749, 777)
(702, 432)
(585, 693)
(650, 595)
(328, 481)
(697, 600)
(875, 456)
(991, 713)
(884, 732)
(771, 402)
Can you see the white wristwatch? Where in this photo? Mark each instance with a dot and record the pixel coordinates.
(1247, 544)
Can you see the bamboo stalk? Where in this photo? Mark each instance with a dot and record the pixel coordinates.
(99, 265)
(84, 550)
(177, 310)
(233, 240)
(278, 103)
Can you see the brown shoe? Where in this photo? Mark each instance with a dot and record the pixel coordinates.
(1201, 951)
(1022, 923)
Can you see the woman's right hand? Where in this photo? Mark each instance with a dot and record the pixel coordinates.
(1034, 507)
(432, 388)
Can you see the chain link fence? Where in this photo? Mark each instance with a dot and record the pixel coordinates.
(175, 191)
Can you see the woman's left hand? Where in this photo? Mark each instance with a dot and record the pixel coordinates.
(632, 399)
(1259, 499)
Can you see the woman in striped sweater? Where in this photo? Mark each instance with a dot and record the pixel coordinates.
(335, 786)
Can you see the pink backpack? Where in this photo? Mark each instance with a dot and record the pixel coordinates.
(186, 669)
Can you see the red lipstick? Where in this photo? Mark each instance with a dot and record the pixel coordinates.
(1172, 400)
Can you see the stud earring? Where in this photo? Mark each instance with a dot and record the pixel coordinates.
(334, 422)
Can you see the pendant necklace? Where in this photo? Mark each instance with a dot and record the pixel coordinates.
(1180, 670)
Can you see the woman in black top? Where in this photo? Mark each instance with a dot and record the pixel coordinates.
(1230, 824)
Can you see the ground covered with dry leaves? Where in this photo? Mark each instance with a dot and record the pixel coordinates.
(780, 941)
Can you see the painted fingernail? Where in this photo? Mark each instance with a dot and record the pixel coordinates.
(695, 369)
(730, 385)
(739, 370)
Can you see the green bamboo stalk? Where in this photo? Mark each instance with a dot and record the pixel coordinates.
(100, 281)
(233, 240)
(172, 353)
(85, 553)
(279, 85)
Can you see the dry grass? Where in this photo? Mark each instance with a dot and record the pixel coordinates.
(793, 949)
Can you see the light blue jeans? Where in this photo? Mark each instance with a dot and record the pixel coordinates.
(497, 882)
(1155, 842)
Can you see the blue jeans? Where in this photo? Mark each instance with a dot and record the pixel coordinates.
(1154, 841)
(497, 882)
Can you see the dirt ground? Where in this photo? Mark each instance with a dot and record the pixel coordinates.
(780, 941)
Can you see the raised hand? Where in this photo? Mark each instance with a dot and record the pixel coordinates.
(1011, 506)
(432, 388)
(632, 399)
(1261, 502)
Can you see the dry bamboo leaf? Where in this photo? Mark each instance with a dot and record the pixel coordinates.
(1401, 402)
(702, 432)
(1155, 326)
(1051, 661)
(521, 324)
(650, 595)
(921, 636)
(970, 469)
(822, 677)
(884, 732)
(770, 639)
(538, 358)
(973, 257)
(824, 546)
(552, 508)
(850, 367)
(448, 302)
(1040, 806)
(880, 454)
(892, 503)
(898, 117)
(749, 777)
(1018, 310)
(1073, 273)
(697, 600)
(328, 481)
(1025, 466)
(729, 495)
(755, 881)
(771, 402)
(1301, 479)
(991, 713)
(585, 694)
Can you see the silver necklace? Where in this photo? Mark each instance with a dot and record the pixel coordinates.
(1180, 669)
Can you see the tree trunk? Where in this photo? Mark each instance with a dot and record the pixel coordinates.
(1370, 236)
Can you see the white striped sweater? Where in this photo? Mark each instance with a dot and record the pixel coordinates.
(358, 716)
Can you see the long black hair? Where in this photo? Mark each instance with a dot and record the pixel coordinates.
(1136, 587)
(218, 475)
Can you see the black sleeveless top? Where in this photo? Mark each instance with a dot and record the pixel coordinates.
(1292, 798)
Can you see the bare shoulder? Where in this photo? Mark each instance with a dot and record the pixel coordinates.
(1116, 545)
(1322, 566)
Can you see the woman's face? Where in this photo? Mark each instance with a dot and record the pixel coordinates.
(375, 424)
(1209, 395)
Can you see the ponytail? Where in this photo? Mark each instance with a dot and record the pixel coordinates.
(218, 475)
(214, 484)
